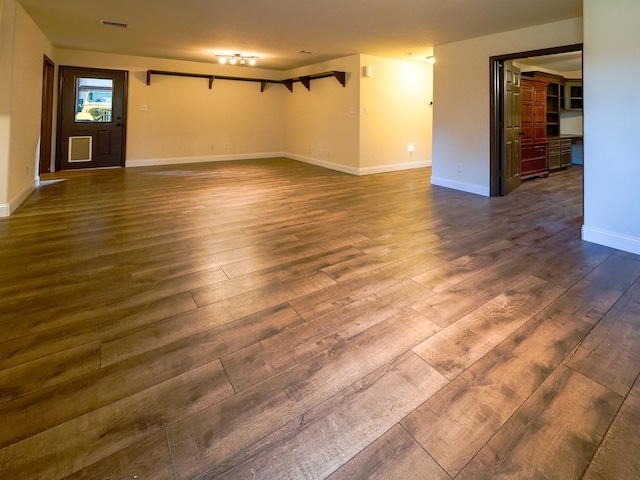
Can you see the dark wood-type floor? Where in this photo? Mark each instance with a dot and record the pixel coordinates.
(275, 320)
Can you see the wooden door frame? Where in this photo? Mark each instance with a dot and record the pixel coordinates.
(46, 119)
(495, 99)
(125, 100)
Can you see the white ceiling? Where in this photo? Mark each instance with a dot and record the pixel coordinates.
(559, 62)
(275, 30)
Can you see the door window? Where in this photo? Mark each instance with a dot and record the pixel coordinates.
(93, 99)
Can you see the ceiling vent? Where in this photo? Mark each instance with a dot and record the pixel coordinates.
(108, 23)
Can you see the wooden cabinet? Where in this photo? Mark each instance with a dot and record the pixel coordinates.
(544, 97)
(534, 128)
(534, 161)
(534, 111)
(558, 153)
(553, 154)
(565, 152)
(555, 99)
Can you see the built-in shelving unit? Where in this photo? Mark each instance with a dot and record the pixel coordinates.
(305, 80)
(574, 95)
(553, 109)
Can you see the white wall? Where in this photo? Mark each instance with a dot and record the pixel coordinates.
(396, 99)
(461, 111)
(22, 50)
(7, 33)
(320, 128)
(187, 122)
(611, 123)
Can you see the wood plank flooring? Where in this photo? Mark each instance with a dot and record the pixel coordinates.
(275, 320)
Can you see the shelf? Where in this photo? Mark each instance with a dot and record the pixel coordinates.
(305, 80)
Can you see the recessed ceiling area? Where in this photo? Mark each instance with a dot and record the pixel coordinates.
(559, 62)
(276, 31)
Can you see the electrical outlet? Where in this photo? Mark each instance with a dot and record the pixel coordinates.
(226, 146)
(459, 168)
(27, 170)
(212, 146)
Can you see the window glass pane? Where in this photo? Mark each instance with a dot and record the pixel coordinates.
(93, 99)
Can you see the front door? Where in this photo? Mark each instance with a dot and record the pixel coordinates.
(511, 121)
(92, 116)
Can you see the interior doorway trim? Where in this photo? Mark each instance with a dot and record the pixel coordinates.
(495, 94)
(46, 121)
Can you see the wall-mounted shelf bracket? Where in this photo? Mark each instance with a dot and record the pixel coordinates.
(306, 79)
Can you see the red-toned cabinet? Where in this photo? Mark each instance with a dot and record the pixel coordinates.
(534, 128)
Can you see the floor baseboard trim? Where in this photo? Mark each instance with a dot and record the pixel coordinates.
(611, 239)
(395, 167)
(321, 163)
(214, 158)
(463, 187)
(301, 158)
(6, 209)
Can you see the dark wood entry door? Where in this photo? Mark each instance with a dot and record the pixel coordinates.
(92, 118)
(511, 120)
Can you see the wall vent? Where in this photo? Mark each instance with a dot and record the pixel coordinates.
(108, 23)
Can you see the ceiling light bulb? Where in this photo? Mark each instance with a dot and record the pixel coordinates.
(233, 60)
(223, 60)
(431, 59)
(252, 61)
(242, 61)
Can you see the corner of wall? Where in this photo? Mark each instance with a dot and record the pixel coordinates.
(611, 239)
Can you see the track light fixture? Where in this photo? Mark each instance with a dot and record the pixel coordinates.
(235, 58)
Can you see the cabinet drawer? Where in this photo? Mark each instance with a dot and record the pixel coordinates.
(534, 161)
(534, 151)
(534, 165)
(554, 160)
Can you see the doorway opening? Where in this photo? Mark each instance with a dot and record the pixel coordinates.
(499, 169)
(46, 122)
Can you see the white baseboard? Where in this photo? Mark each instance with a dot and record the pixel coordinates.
(321, 163)
(358, 171)
(396, 167)
(464, 187)
(301, 158)
(213, 158)
(6, 209)
(611, 239)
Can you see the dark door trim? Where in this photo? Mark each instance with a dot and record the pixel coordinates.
(46, 119)
(495, 130)
(97, 72)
